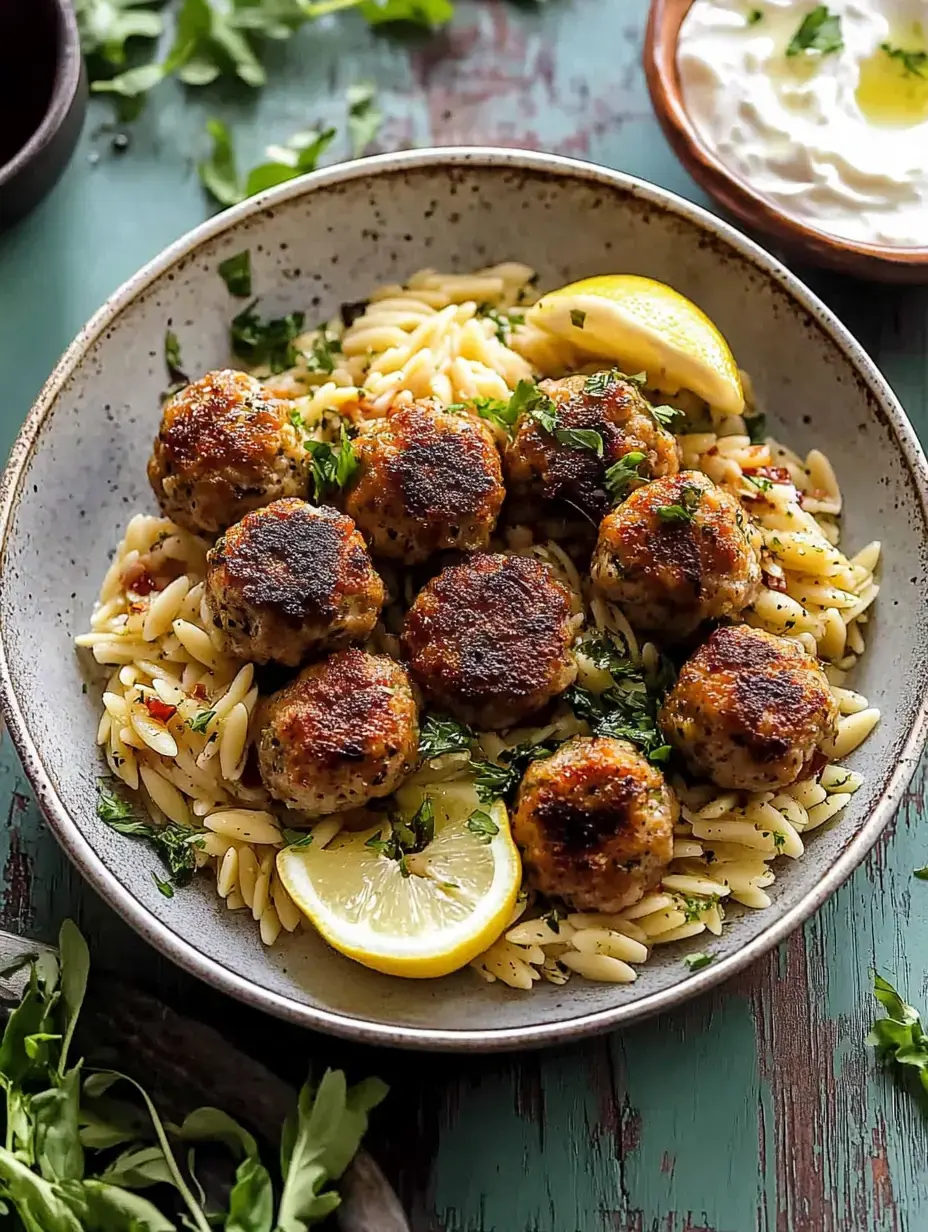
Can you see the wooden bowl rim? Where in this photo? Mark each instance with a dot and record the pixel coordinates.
(660, 64)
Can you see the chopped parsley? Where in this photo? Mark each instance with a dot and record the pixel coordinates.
(553, 919)
(502, 414)
(915, 63)
(626, 710)
(759, 481)
(757, 428)
(270, 342)
(600, 383)
(322, 356)
(481, 824)
(779, 839)
(684, 511)
(608, 654)
(201, 721)
(236, 274)
(755, 16)
(503, 321)
(529, 400)
(500, 780)
(406, 838)
(173, 363)
(667, 416)
(298, 838)
(819, 31)
(174, 844)
(622, 474)
(577, 318)
(581, 438)
(164, 887)
(438, 735)
(696, 962)
(332, 467)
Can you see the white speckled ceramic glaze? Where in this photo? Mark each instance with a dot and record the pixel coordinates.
(78, 471)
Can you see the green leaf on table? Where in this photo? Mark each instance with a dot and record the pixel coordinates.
(106, 26)
(431, 13)
(819, 31)
(899, 1037)
(235, 272)
(298, 156)
(218, 173)
(74, 959)
(251, 1200)
(364, 116)
(58, 1150)
(106, 1208)
(439, 734)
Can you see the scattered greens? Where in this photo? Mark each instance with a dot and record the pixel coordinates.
(503, 321)
(364, 116)
(685, 510)
(73, 1154)
(696, 962)
(439, 735)
(819, 31)
(481, 824)
(759, 481)
(265, 342)
(201, 720)
(298, 838)
(322, 356)
(236, 274)
(577, 318)
(915, 63)
(175, 845)
(899, 1037)
(755, 16)
(581, 438)
(529, 400)
(299, 155)
(757, 428)
(622, 474)
(667, 416)
(921, 874)
(405, 838)
(172, 362)
(500, 781)
(332, 467)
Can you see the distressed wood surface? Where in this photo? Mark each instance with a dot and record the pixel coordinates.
(757, 1108)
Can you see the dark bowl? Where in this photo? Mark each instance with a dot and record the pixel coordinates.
(43, 99)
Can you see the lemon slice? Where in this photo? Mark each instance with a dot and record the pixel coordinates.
(644, 325)
(455, 900)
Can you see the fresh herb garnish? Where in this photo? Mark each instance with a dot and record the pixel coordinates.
(500, 780)
(819, 31)
(577, 318)
(298, 838)
(201, 720)
(164, 887)
(921, 874)
(915, 63)
(581, 438)
(236, 274)
(899, 1037)
(364, 116)
(757, 428)
(529, 400)
(628, 709)
(270, 342)
(481, 824)
(332, 467)
(321, 357)
(622, 474)
(667, 416)
(405, 838)
(696, 962)
(502, 320)
(553, 919)
(175, 845)
(172, 361)
(684, 511)
(759, 482)
(439, 735)
(600, 383)
(219, 173)
(755, 16)
(608, 654)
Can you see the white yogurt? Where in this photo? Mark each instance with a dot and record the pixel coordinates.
(838, 140)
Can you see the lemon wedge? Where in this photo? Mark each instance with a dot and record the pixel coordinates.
(426, 914)
(644, 325)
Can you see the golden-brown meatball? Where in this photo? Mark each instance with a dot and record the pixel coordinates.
(225, 447)
(594, 823)
(608, 404)
(345, 731)
(750, 710)
(489, 640)
(428, 480)
(290, 581)
(678, 552)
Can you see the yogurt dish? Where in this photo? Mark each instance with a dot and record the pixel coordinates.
(822, 110)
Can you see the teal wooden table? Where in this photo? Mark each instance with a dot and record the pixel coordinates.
(757, 1108)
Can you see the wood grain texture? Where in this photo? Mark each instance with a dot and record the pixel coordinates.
(757, 1109)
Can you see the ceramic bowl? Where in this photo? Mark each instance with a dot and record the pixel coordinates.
(78, 470)
(736, 195)
(43, 100)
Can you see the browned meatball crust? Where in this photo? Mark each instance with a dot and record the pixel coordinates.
(343, 732)
(225, 447)
(538, 462)
(677, 552)
(489, 640)
(290, 581)
(594, 823)
(428, 480)
(750, 710)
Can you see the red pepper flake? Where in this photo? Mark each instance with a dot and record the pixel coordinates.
(199, 691)
(773, 582)
(159, 710)
(776, 474)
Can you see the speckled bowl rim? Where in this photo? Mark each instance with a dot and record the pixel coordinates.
(185, 954)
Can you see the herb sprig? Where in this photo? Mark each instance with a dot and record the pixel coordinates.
(332, 467)
(819, 31)
(915, 63)
(269, 342)
(899, 1038)
(439, 734)
(175, 845)
(685, 509)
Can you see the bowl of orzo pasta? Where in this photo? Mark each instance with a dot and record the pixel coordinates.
(465, 599)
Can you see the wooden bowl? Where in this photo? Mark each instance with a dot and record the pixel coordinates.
(879, 261)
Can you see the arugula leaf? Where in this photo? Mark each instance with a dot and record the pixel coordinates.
(439, 734)
(74, 969)
(219, 172)
(481, 824)
(106, 1208)
(332, 467)
(581, 438)
(819, 31)
(915, 63)
(235, 272)
(622, 474)
(684, 511)
(174, 844)
(270, 342)
(364, 116)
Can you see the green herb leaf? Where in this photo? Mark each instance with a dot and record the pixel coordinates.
(600, 383)
(236, 274)
(529, 400)
(332, 467)
(299, 155)
(899, 1038)
(74, 961)
(364, 116)
(439, 734)
(270, 342)
(667, 416)
(921, 874)
(757, 428)
(164, 887)
(503, 319)
(577, 318)
(172, 360)
(696, 962)
(755, 16)
(623, 474)
(201, 720)
(819, 31)
(759, 481)
(628, 710)
(581, 438)
(174, 844)
(429, 13)
(685, 510)
(298, 838)
(481, 824)
(218, 173)
(106, 26)
(501, 414)
(915, 63)
(106, 1208)
(322, 356)
(500, 780)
